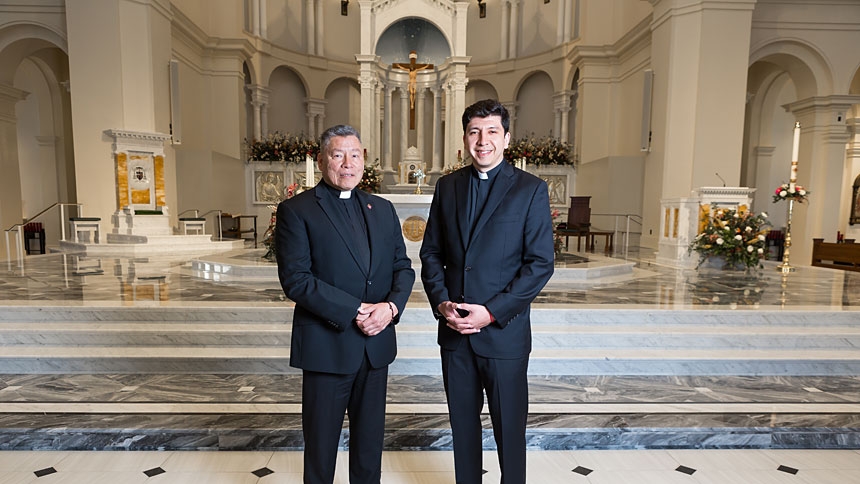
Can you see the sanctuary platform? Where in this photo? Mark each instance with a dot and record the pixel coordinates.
(108, 353)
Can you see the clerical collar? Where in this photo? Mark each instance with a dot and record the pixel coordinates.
(341, 194)
(490, 175)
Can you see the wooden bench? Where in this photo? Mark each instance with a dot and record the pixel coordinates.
(844, 256)
(608, 239)
(578, 233)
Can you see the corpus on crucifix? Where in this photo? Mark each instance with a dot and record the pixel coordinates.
(412, 67)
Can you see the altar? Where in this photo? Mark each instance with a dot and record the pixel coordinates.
(413, 211)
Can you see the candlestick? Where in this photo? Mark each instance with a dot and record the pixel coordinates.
(785, 267)
(309, 171)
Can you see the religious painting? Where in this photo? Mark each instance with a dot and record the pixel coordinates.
(268, 186)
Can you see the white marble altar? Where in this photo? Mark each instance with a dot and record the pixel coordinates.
(679, 224)
(413, 211)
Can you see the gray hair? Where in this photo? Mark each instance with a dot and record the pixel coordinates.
(339, 130)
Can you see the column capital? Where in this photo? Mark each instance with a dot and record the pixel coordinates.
(259, 94)
(315, 106)
(561, 100)
(825, 113)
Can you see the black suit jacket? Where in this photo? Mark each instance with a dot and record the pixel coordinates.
(319, 269)
(504, 265)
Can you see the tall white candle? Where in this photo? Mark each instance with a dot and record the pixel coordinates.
(309, 171)
(796, 145)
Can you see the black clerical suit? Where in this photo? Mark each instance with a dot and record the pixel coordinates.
(328, 271)
(501, 261)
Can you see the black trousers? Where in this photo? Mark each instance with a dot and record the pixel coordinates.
(467, 376)
(325, 398)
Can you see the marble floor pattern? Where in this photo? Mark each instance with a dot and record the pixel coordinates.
(586, 427)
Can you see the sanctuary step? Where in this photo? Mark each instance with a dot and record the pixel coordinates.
(587, 341)
(263, 412)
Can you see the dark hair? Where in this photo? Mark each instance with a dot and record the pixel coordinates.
(487, 107)
(339, 130)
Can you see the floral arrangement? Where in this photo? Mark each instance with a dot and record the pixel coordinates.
(371, 180)
(736, 236)
(269, 234)
(786, 192)
(282, 147)
(542, 151)
(451, 169)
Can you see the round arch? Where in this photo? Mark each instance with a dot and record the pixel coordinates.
(535, 108)
(809, 70)
(394, 11)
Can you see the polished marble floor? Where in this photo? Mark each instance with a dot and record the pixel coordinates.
(170, 280)
(544, 467)
(587, 413)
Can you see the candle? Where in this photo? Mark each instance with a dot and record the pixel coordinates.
(309, 170)
(795, 147)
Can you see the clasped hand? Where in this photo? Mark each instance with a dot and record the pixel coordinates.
(373, 318)
(465, 318)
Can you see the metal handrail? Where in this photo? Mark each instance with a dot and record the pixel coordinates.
(220, 232)
(19, 239)
(629, 217)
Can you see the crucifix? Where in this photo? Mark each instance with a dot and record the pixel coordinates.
(412, 67)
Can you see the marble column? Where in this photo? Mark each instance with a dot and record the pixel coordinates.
(316, 116)
(263, 19)
(256, 108)
(561, 101)
(559, 27)
(821, 168)
(419, 122)
(259, 102)
(319, 24)
(379, 114)
(310, 38)
(386, 130)
(255, 17)
(514, 29)
(512, 113)
(368, 81)
(449, 158)
(404, 124)
(503, 31)
(458, 82)
(437, 130)
(568, 19)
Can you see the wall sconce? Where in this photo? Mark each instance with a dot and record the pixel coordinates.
(482, 9)
(344, 7)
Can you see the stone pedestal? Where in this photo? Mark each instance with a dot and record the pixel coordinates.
(680, 218)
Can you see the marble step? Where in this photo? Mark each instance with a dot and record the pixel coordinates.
(255, 412)
(425, 361)
(419, 314)
(274, 432)
(114, 338)
(177, 333)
